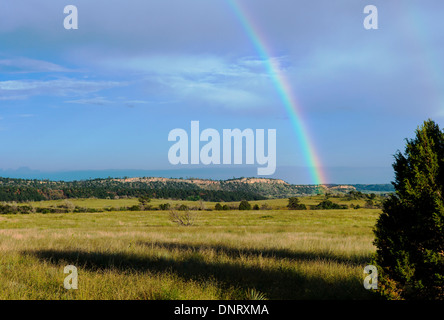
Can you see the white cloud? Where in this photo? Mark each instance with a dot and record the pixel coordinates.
(214, 93)
(25, 65)
(101, 101)
(232, 83)
(61, 87)
(177, 65)
(13, 97)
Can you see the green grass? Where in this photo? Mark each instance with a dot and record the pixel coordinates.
(117, 203)
(272, 254)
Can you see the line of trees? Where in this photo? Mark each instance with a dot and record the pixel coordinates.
(20, 193)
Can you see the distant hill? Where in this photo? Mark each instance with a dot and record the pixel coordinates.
(191, 189)
(270, 188)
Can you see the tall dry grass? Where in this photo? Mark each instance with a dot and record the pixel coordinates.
(273, 254)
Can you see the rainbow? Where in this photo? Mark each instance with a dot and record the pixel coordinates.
(285, 93)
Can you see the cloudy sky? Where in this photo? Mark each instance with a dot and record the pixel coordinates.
(105, 96)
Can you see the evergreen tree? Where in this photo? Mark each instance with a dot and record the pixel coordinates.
(410, 231)
(294, 204)
(244, 205)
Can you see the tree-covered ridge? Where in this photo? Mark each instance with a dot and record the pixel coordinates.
(35, 190)
(210, 190)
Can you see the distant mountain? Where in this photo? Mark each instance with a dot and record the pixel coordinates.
(270, 188)
(155, 187)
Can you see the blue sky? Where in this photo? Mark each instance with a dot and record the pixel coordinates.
(105, 96)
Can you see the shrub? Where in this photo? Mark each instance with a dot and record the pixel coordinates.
(186, 218)
(164, 206)
(369, 204)
(144, 203)
(410, 231)
(327, 205)
(26, 209)
(244, 205)
(70, 207)
(293, 204)
(7, 209)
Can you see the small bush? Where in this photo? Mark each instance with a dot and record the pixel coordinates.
(164, 206)
(294, 204)
(253, 294)
(327, 205)
(186, 218)
(70, 207)
(244, 205)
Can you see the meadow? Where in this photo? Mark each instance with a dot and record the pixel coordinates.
(255, 254)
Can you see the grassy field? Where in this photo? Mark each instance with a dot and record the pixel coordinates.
(271, 254)
(277, 204)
